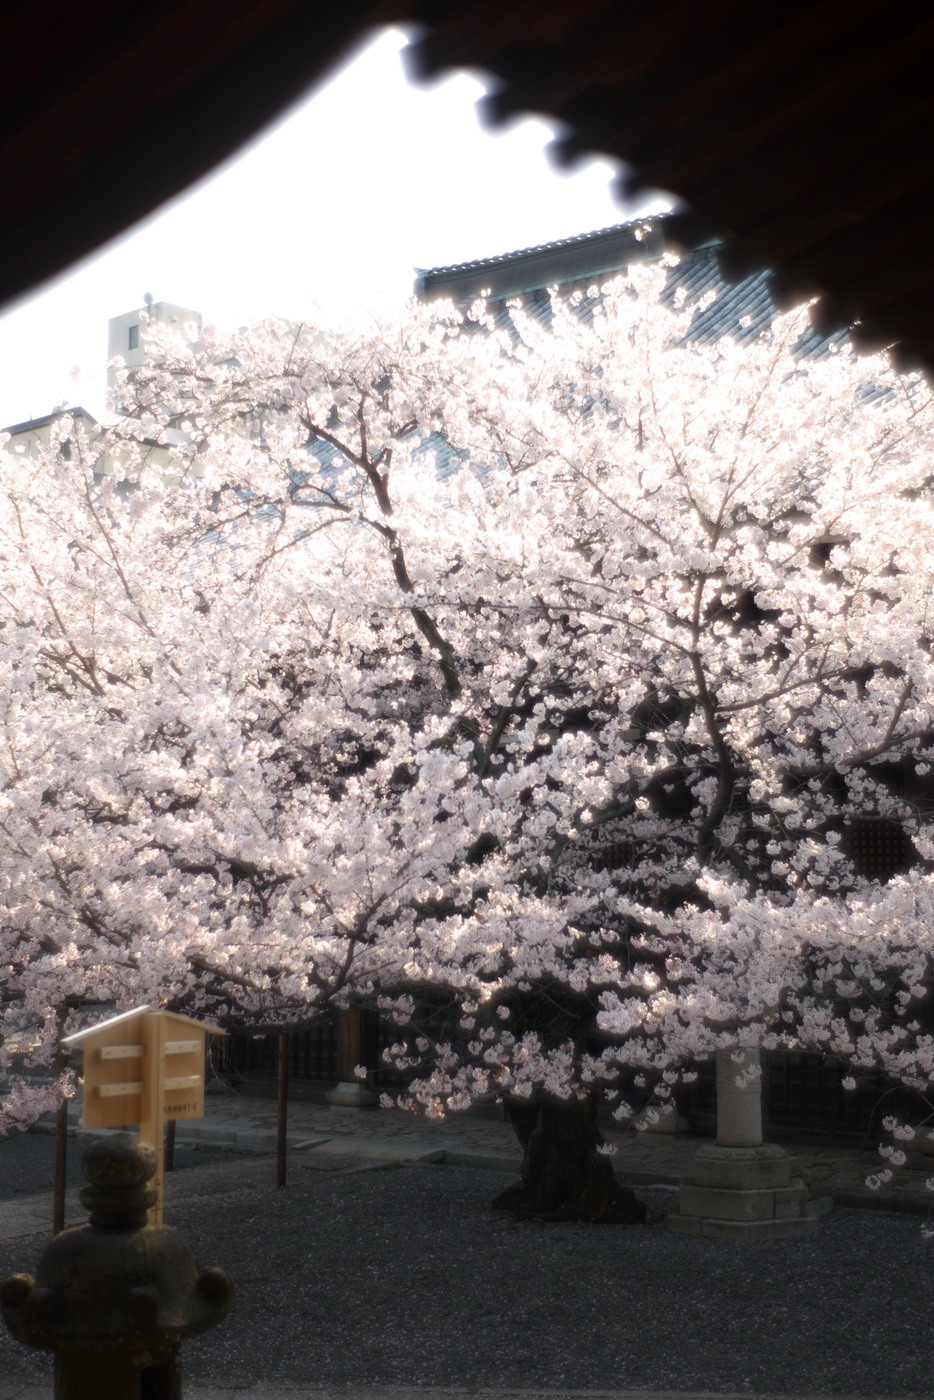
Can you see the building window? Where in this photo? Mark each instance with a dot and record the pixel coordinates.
(133, 340)
(879, 847)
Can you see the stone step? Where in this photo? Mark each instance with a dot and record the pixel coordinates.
(709, 1228)
(725, 1203)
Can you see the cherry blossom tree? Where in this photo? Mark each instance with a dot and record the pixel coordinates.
(745, 550)
(544, 667)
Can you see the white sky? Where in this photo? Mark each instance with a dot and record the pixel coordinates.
(329, 211)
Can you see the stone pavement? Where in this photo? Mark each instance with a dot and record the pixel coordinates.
(642, 1158)
(243, 1123)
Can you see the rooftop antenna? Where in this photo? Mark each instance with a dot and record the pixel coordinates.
(147, 298)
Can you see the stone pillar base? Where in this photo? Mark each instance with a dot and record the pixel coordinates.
(351, 1094)
(746, 1193)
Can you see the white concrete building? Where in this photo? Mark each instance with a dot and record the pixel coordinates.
(129, 335)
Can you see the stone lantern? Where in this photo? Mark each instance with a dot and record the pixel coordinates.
(113, 1299)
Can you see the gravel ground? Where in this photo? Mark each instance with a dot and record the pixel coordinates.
(405, 1277)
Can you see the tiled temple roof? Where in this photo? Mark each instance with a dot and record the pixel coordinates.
(742, 309)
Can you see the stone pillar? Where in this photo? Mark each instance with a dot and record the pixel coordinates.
(744, 1188)
(350, 1091)
(739, 1106)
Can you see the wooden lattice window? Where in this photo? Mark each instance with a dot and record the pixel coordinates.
(878, 847)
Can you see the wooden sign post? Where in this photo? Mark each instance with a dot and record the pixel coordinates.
(145, 1067)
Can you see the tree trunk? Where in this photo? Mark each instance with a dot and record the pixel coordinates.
(564, 1177)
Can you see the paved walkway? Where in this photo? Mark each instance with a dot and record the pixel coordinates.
(243, 1123)
(642, 1158)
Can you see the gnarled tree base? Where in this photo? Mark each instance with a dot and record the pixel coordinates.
(564, 1177)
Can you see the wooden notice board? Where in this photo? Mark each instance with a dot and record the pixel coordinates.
(144, 1067)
